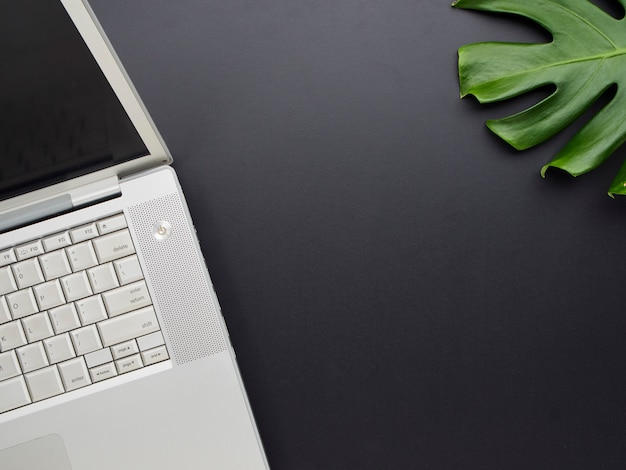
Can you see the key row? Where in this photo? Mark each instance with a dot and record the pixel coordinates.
(63, 262)
(66, 317)
(58, 297)
(62, 240)
(85, 342)
(70, 375)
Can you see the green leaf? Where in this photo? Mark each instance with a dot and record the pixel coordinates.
(586, 57)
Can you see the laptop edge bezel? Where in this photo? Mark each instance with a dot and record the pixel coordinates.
(100, 47)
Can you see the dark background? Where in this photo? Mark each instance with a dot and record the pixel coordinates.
(403, 290)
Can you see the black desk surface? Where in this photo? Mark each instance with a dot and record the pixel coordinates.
(403, 290)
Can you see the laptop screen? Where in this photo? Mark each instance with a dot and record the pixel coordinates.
(59, 117)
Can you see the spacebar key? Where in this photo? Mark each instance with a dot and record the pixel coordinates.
(128, 326)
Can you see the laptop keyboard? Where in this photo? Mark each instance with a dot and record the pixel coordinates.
(74, 310)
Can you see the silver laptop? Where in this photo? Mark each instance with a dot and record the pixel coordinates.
(113, 350)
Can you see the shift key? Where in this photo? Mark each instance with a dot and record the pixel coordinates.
(128, 326)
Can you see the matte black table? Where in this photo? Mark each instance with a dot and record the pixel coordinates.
(403, 290)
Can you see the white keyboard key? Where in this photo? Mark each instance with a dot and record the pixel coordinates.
(99, 357)
(32, 357)
(55, 264)
(126, 298)
(28, 273)
(59, 348)
(5, 313)
(64, 318)
(103, 372)
(86, 340)
(82, 256)
(60, 240)
(22, 303)
(152, 356)
(11, 336)
(128, 326)
(13, 394)
(128, 270)
(7, 257)
(91, 310)
(29, 250)
(114, 246)
(129, 364)
(86, 232)
(9, 367)
(112, 224)
(150, 341)
(44, 383)
(127, 348)
(49, 295)
(76, 286)
(37, 327)
(7, 281)
(102, 278)
(74, 374)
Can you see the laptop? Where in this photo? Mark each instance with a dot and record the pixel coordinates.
(113, 349)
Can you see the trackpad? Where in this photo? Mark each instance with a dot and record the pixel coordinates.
(45, 452)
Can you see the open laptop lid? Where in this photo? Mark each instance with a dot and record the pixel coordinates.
(71, 122)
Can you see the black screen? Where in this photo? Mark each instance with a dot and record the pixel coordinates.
(59, 117)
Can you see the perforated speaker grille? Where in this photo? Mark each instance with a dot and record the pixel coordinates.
(175, 270)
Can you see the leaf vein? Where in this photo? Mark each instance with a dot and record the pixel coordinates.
(605, 36)
(601, 57)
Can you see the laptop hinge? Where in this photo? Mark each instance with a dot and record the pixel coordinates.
(78, 197)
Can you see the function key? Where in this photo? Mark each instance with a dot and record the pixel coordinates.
(86, 232)
(60, 240)
(112, 224)
(29, 250)
(7, 257)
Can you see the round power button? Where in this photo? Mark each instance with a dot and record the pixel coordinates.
(162, 230)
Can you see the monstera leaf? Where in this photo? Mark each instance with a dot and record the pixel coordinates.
(585, 58)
